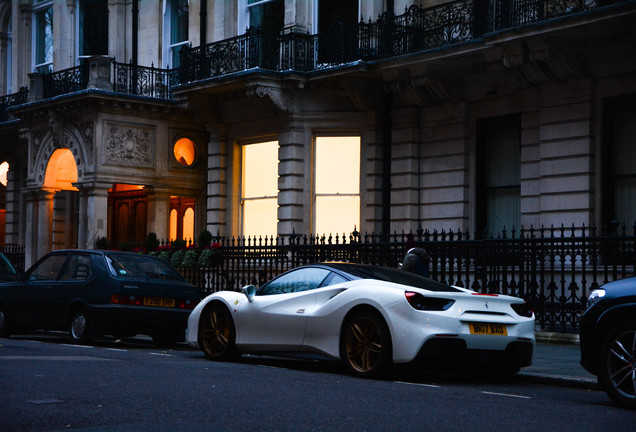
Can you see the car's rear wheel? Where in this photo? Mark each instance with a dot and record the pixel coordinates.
(81, 327)
(217, 334)
(617, 367)
(365, 345)
(5, 330)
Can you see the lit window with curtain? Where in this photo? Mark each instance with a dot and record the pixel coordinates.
(176, 28)
(93, 27)
(43, 35)
(337, 185)
(499, 175)
(259, 192)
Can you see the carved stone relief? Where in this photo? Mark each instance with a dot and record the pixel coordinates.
(129, 145)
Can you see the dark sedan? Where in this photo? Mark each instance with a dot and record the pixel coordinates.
(7, 271)
(92, 293)
(608, 339)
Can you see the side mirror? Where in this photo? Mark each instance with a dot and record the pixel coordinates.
(249, 292)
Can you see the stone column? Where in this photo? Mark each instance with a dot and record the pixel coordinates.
(293, 205)
(44, 222)
(30, 222)
(217, 181)
(96, 212)
(159, 212)
(82, 229)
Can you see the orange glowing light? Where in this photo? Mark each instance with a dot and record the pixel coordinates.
(61, 171)
(185, 151)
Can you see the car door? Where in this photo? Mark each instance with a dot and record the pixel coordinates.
(33, 301)
(73, 284)
(276, 319)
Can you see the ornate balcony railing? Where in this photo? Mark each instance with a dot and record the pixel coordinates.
(11, 100)
(417, 29)
(143, 81)
(65, 81)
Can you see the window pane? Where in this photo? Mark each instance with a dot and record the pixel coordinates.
(504, 210)
(94, 27)
(44, 36)
(178, 21)
(268, 16)
(48, 269)
(260, 170)
(338, 165)
(260, 217)
(337, 214)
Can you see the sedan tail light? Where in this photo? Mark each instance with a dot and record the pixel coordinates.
(420, 302)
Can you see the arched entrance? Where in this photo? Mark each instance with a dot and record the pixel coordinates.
(4, 169)
(61, 173)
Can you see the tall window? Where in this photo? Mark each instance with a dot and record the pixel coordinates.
(259, 195)
(336, 12)
(268, 15)
(43, 35)
(337, 185)
(93, 27)
(499, 174)
(6, 61)
(176, 30)
(619, 158)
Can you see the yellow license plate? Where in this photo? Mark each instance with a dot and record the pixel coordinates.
(158, 301)
(488, 329)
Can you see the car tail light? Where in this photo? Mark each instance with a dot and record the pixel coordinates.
(522, 309)
(186, 304)
(420, 302)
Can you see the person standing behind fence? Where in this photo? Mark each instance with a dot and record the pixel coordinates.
(416, 261)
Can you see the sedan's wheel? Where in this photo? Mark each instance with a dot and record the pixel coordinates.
(617, 369)
(4, 323)
(216, 333)
(80, 327)
(365, 345)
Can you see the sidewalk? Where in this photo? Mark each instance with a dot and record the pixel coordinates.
(556, 361)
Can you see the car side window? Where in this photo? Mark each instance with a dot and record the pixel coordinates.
(295, 281)
(333, 279)
(78, 267)
(48, 269)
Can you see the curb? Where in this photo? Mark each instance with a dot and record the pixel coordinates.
(557, 338)
(560, 380)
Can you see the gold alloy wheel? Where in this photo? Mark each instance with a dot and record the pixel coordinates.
(216, 332)
(363, 344)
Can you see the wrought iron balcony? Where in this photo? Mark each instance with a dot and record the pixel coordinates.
(65, 81)
(143, 81)
(10, 100)
(417, 30)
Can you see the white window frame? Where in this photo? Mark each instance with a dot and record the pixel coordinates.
(168, 46)
(244, 13)
(39, 6)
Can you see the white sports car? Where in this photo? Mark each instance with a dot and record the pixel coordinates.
(366, 316)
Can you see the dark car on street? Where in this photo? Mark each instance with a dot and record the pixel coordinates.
(608, 339)
(92, 293)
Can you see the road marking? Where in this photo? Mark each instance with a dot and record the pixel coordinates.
(506, 395)
(116, 349)
(78, 346)
(162, 354)
(417, 384)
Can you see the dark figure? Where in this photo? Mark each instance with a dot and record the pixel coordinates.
(416, 261)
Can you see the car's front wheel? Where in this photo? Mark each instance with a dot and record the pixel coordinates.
(80, 327)
(617, 368)
(365, 345)
(217, 335)
(5, 330)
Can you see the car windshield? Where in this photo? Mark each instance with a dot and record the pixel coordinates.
(141, 266)
(396, 276)
(5, 266)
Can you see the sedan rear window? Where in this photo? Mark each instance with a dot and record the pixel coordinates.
(141, 266)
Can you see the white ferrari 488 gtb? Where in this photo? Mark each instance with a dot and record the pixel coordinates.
(368, 317)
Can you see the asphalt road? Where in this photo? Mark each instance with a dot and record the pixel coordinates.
(48, 385)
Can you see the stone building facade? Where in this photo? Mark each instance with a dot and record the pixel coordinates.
(465, 115)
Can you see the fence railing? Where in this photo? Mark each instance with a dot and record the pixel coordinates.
(15, 255)
(10, 100)
(65, 81)
(143, 81)
(553, 268)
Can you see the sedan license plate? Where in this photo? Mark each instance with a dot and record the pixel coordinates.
(158, 301)
(488, 329)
